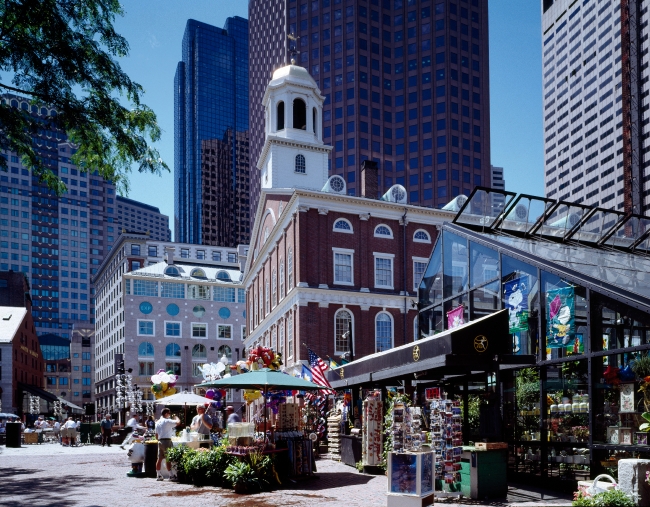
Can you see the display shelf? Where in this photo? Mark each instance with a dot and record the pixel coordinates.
(372, 441)
(447, 441)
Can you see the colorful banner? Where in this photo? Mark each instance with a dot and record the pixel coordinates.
(576, 345)
(456, 317)
(560, 317)
(516, 300)
(306, 373)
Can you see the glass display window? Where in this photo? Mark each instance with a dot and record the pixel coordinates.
(483, 264)
(568, 404)
(520, 294)
(430, 291)
(455, 264)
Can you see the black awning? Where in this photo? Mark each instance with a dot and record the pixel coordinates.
(477, 346)
(37, 391)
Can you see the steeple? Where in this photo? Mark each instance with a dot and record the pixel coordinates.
(294, 155)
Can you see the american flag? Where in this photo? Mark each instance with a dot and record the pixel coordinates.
(318, 368)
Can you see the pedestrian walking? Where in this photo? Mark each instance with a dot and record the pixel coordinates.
(106, 426)
(131, 426)
(165, 430)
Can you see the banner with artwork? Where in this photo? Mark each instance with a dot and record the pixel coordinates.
(560, 317)
(456, 317)
(516, 300)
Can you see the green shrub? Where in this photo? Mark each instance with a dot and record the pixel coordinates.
(206, 467)
(243, 477)
(609, 498)
(176, 456)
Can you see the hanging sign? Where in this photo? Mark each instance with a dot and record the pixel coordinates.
(560, 317)
(456, 317)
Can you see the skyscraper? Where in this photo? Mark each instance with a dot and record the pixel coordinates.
(594, 84)
(210, 116)
(134, 216)
(58, 241)
(405, 84)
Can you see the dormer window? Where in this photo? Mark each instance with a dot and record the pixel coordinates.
(299, 114)
(198, 273)
(172, 271)
(280, 119)
(300, 166)
(223, 276)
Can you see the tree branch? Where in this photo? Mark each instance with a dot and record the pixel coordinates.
(22, 91)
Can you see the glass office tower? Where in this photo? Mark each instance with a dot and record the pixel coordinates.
(406, 84)
(211, 202)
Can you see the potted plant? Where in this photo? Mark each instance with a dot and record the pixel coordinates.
(243, 478)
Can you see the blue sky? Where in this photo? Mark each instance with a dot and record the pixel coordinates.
(155, 29)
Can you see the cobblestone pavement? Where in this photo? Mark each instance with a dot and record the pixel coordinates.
(51, 475)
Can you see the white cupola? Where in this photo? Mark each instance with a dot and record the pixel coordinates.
(294, 155)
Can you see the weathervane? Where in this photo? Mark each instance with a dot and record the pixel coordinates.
(292, 47)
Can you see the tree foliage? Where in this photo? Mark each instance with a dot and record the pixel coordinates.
(63, 54)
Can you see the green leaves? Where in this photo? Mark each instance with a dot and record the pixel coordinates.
(62, 54)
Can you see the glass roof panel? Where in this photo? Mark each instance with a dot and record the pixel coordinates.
(484, 207)
(629, 231)
(561, 220)
(625, 270)
(593, 229)
(524, 213)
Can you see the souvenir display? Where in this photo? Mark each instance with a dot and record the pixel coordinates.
(371, 444)
(334, 434)
(447, 441)
(410, 478)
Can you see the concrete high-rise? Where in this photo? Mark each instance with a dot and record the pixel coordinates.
(134, 216)
(211, 143)
(595, 84)
(405, 84)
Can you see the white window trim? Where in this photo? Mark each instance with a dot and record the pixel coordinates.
(334, 229)
(207, 331)
(347, 251)
(423, 260)
(199, 359)
(232, 334)
(422, 240)
(339, 352)
(391, 257)
(392, 329)
(383, 235)
(173, 322)
(146, 320)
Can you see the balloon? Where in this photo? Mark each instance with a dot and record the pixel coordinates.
(209, 394)
(164, 386)
(214, 404)
(155, 379)
(156, 388)
(164, 378)
(218, 405)
(170, 391)
(216, 394)
(220, 367)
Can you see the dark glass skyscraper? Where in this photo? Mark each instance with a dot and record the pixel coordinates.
(211, 201)
(406, 84)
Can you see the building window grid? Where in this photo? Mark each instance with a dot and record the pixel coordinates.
(224, 294)
(342, 321)
(383, 272)
(224, 331)
(343, 268)
(172, 290)
(145, 288)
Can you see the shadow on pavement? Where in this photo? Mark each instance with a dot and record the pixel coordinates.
(54, 491)
(329, 480)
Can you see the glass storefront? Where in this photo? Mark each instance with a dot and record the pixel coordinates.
(576, 284)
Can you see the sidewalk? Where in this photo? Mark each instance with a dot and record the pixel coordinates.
(89, 476)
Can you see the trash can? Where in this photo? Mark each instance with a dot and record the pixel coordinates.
(150, 458)
(483, 471)
(12, 435)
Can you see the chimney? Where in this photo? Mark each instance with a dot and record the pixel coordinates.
(369, 177)
(169, 253)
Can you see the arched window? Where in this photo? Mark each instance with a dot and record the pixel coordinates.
(314, 116)
(172, 271)
(197, 273)
(280, 125)
(300, 166)
(290, 270)
(383, 231)
(199, 352)
(173, 350)
(383, 332)
(223, 275)
(342, 322)
(145, 349)
(274, 289)
(421, 236)
(225, 349)
(343, 225)
(299, 114)
(281, 279)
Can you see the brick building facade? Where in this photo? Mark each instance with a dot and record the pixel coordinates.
(319, 259)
